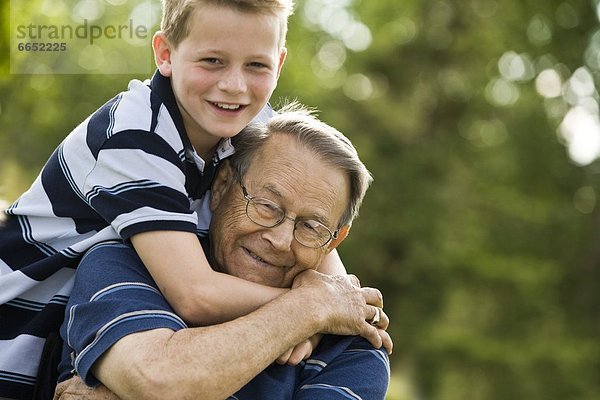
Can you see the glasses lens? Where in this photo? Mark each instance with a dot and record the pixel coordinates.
(264, 212)
(312, 233)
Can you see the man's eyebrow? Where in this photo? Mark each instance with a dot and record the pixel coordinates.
(273, 190)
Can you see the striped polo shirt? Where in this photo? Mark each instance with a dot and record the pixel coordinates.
(126, 169)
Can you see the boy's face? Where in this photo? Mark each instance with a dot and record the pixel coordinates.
(223, 72)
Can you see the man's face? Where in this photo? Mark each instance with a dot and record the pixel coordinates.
(224, 71)
(297, 180)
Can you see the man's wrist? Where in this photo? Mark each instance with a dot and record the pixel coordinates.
(305, 299)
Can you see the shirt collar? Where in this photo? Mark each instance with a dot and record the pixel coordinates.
(161, 86)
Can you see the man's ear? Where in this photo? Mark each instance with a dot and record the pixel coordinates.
(223, 178)
(162, 53)
(342, 234)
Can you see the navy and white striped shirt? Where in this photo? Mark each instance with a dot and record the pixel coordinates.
(126, 169)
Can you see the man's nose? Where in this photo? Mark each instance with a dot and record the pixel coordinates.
(281, 236)
(233, 81)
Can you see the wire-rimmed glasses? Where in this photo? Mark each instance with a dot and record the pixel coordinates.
(268, 214)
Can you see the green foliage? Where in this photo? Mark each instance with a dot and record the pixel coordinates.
(471, 229)
(479, 229)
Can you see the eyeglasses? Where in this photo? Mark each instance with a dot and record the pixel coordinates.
(307, 232)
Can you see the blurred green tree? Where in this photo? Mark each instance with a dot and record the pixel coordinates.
(481, 227)
(479, 122)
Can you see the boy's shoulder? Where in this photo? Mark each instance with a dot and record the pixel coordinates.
(128, 110)
(135, 113)
(135, 98)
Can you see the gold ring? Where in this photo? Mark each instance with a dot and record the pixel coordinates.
(376, 318)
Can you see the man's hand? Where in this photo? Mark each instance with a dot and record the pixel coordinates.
(384, 321)
(344, 308)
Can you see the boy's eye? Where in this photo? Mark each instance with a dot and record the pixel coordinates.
(210, 60)
(258, 65)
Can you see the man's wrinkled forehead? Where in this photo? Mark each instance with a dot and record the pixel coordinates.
(287, 170)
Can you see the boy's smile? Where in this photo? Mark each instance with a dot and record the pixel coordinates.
(223, 72)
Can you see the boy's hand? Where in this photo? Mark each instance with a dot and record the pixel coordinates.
(75, 389)
(300, 352)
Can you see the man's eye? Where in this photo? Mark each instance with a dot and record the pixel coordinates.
(211, 60)
(310, 225)
(266, 207)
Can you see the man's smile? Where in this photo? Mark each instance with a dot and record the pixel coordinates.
(263, 261)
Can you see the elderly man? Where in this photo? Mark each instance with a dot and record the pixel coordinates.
(285, 199)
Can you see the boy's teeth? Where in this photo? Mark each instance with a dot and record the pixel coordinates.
(228, 106)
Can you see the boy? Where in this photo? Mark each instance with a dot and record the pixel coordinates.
(137, 171)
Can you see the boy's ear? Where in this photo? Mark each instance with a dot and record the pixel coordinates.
(222, 181)
(162, 53)
(282, 56)
(342, 234)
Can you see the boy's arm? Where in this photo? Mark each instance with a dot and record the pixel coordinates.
(332, 264)
(197, 294)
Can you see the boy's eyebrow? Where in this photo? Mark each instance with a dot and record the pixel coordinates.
(202, 51)
(221, 53)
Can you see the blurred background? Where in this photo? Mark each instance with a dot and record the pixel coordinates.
(479, 121)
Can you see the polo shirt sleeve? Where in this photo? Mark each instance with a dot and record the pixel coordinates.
(113, 296)
(344, 367)
(138, 184)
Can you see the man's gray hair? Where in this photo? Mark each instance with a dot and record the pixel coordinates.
(325, 141)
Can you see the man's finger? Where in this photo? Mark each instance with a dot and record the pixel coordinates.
(354, 280)
(386, 339)
(372, 335)
(373, 296)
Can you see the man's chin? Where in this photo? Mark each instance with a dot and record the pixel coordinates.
(244, 266)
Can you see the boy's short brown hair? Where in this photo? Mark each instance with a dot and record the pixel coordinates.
(177, 13)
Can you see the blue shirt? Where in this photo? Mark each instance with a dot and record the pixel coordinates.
(115, 296)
